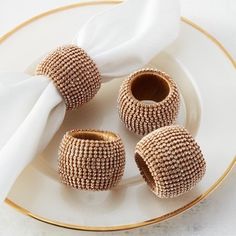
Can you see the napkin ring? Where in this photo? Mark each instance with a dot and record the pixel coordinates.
(74, 73)
(91, 159)
(136, 93)
(170, 161)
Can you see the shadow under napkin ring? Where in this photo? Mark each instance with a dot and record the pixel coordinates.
(148, 85)
(73, 72)
(91, 159)
(170, 161)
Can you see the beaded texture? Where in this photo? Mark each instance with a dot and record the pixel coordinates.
(170, 161)
(142, 118)
(74, 73)
(91, 164)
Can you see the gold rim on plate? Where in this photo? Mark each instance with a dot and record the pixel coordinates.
(147, 222)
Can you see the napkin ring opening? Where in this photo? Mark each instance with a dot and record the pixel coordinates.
(91, 159)
(170, 161)
(148, 99)
(73, 72)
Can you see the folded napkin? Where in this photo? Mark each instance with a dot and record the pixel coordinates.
(119, 40)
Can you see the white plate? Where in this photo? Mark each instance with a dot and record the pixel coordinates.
(205, 74)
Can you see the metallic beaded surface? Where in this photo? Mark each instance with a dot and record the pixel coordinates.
(170, 161)
(73, 72)
(142, 118)
(90, 163)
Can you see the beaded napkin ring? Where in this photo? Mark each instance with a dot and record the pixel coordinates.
(91, 159)
(74, 73)
(148, 85)
(170, 161)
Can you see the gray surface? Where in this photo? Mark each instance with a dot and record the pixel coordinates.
(214, 216)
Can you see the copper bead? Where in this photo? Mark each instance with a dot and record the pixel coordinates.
(170, 161)
(153, 85)
(74, 73)
(91, 159)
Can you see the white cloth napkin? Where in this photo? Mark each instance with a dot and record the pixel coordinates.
(120, 40)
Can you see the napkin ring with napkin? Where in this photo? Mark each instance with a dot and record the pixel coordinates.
(111, 44)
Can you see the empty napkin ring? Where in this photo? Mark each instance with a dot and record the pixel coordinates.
(170, 161)
(91, 159)
(136, 93)
(74, 73)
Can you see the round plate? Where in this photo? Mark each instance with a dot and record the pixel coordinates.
(205, 74)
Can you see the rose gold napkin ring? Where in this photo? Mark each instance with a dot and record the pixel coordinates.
(148, 85)
(170, 161)
(91, 159)
(74, 73)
